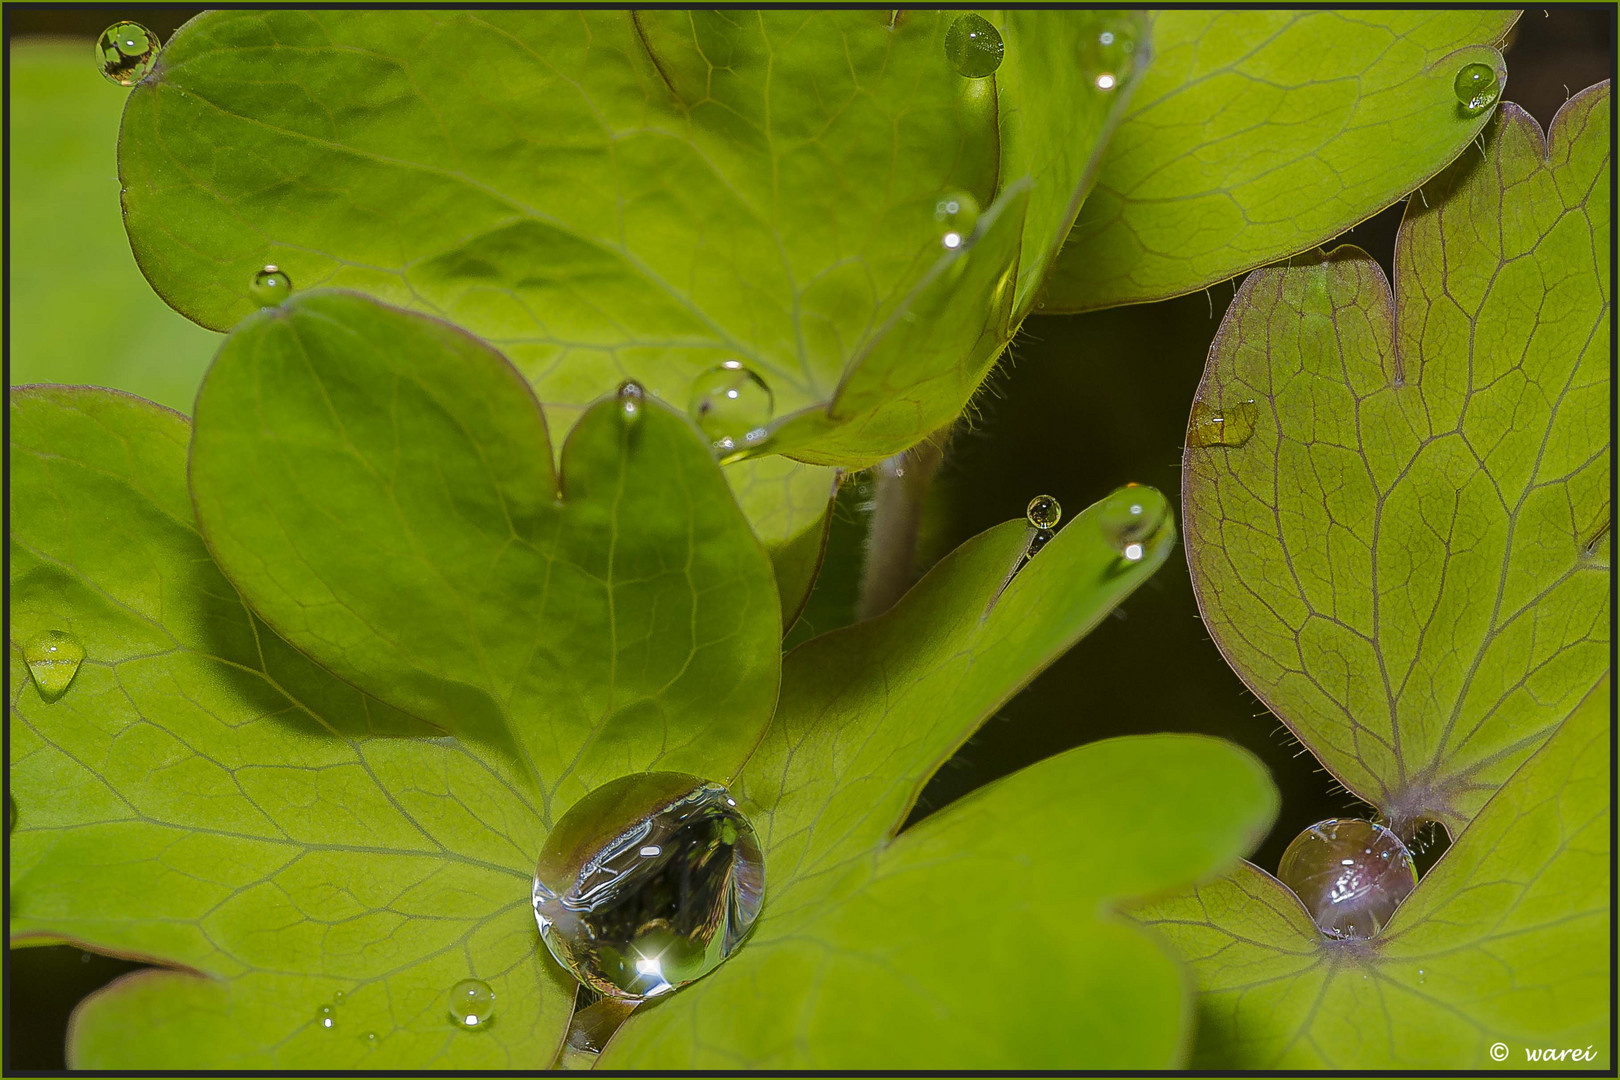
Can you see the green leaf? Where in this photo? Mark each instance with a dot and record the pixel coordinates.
(983, 937)
(606, 195)
(80, 310)
(204, 798)
(790, 507)
(1258, 134)
(379, 486)
(1504, 942)
(1409, 561)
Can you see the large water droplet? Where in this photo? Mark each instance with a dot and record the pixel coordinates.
(1108, 54)
(1044, 512)
(1213, 425)
(732, 405)
(1350, 874)
(472, 1004)
(973, 47)
(125, 52)
(270, 286)
(1130, 518)
(1477, 88)
(53, 659)
(648, 883)
(956, 214)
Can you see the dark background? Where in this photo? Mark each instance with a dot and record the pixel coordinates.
(1083, 404)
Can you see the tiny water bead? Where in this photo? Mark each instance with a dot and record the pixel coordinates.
(326, 1016)
(732, 405)
(973, 47)
(270, 286)
(1477, 88)
(370, 1039)
(126, 52)
(648, 883)
(1350, 875)
(1130, 517)
(1213, 425)
(956, 214)
(472, 1004)
(1044, 512)
(1108, 54)
(53, 660)
(632, 399)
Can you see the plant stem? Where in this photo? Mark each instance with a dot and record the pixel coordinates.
(900, 493)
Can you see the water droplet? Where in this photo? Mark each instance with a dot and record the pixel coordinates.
(1422, 978)
(1335, 869)
(632, 926)
(1130, 517)
(1044, 512)
(326, 1016)
(632, 399)
(732, 405)
(270, 286)
(337, 998)
(1108, 54)
(1477, 88)
(370, 1039)
(53, 659)
(472, 1004)
(956, 214)
(126, 52)
(973, 47)
(1212, 425)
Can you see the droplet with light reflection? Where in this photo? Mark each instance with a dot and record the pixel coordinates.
(1350, 875)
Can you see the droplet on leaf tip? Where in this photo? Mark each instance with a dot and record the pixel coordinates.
(974, 47)
(632, 399)
(1477, 87)
(126, 52)
(53, 660)
(270, 286)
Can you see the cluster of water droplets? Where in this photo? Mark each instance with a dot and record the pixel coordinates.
(1350, 875)
(126, 52)
(647, 884)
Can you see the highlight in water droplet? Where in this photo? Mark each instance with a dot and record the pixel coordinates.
(1129, 518)
(370, 1039)
(53, 660)
(472, 1004)
(338, 996)
(326, 1017)
(732, 405)
(1213, 425)
(1477, 88)
(1108, 53)
(270, 286)
(632, 399)
(973, 47)
(126, 52)
(634, 926)
(956, 214)
(1350, 875)
(1044, 512)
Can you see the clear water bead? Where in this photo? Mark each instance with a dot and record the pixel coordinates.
(732, 405)
(648, 883)
(53, 660)
(126, 52)
(1131, 517)
(1477, 88)
(1043, 512)
(956, 214)
(1108, 54)
(472, 1004)
(326, 1017)
(270, 286)
(1350, 875)
(973, 47)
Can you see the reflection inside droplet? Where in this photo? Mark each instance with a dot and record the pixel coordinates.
(1350, 875)
(53, 659)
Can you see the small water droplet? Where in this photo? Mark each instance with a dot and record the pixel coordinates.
(337, 998)
(126, 52)
(1129, 518)
(1212, 425)
(732, 405)
(53, 659)
(1477, 88)
(1335, 869)
(1422, 978)
(632, 399)
(326, 1016)
(270, 286)
(1044, 512)
(1108, 54)
(956, 214)
(973, 47)
(370, 1039)
(472, 1004)
(632, 926)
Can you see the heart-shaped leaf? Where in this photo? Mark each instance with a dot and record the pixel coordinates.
(1408, 560)
(1502, 950)
(1258, 134)
(607, 195)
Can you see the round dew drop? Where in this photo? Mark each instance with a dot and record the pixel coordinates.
(1477, 88)
(1044, 512)
(956, 214)
(1129, 518)
(126, 52)
(1108, 54)
(270, 286)
(53, 660)
(1350, 875)
(648, 883)
(732, 405)
(472, 1004)
(973, 47)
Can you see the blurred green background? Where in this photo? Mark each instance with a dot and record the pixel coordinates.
(1081, 405)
